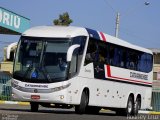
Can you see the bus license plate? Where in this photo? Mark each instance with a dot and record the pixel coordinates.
(35, 97)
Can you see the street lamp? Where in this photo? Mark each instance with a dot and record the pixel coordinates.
(118, 21)
(146, 3)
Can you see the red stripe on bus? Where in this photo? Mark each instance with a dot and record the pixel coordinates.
(103, 37)
(108, 71)
(123, 79)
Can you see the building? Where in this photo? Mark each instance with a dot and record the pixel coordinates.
(9, 52)
(156, 80)
(11, 23)
(156, 70)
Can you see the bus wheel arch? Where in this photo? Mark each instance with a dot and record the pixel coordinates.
(84, 100)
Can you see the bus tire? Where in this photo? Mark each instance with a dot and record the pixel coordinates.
(130, 106)
(80, 109)
(137, 106)
(34, 106)
(128, 110)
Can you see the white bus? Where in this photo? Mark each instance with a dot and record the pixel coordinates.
(59, 66)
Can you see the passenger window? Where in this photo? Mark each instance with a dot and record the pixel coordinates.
(123, 59)
(92, 52)
(111, 54)
(103, 53)
(119, 56)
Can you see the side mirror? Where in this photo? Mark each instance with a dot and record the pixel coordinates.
(70, 51)
(9, 49)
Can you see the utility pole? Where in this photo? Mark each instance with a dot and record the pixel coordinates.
(118, 21)
(117, 25)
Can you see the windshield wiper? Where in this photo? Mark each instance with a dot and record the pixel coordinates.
(41, 66)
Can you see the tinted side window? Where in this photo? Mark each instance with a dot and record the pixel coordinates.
(119, 56)
(92, 52)
(81, 40)
(145, 62)
(103, 52)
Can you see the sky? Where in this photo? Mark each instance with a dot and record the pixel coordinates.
(139, 23)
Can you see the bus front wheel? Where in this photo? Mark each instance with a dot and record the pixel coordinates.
(80, 109)
(34, 106)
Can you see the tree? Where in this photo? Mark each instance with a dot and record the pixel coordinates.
(63, 20)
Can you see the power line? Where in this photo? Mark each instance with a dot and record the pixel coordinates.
(106, 1)
(130, 11)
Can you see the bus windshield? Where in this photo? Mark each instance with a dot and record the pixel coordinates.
(41, 60)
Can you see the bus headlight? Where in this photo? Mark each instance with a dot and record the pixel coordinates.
(16, 86)
(60, 87)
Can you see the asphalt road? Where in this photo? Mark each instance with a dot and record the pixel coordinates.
(21, 112)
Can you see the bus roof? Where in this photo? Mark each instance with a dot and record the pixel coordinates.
(120, 42)
(71, 31)
(56, 31)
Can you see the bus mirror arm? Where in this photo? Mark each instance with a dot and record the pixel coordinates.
(70, 51)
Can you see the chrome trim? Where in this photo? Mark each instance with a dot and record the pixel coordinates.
(32, 90)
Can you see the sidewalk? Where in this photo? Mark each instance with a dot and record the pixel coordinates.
(27, 103)
(14, 102)
(141, 112)
(149, 112)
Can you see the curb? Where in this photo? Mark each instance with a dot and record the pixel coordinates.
(14, 102)
(105, 110)
(149, 112)
(141, 112)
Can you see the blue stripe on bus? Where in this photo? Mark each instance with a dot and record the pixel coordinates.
(93, 33)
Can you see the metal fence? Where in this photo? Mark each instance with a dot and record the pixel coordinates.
(155, 103)
(5, 86)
